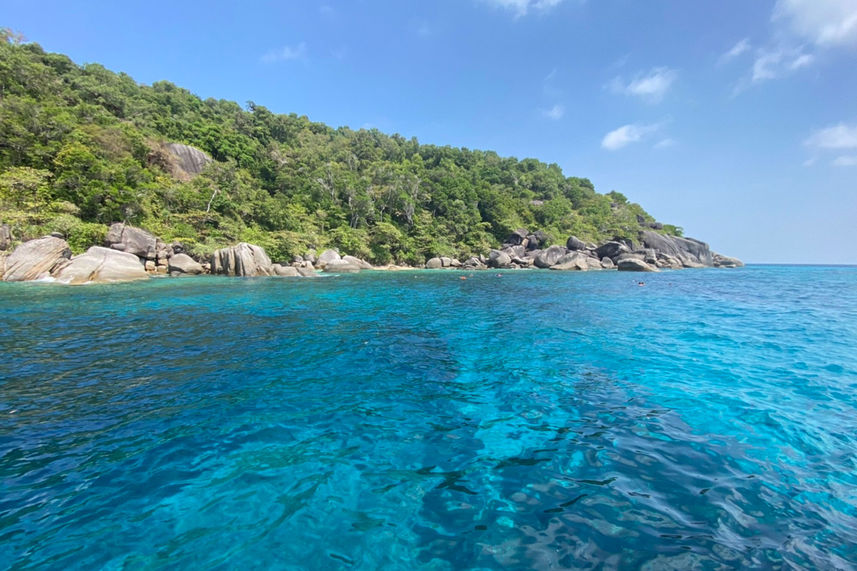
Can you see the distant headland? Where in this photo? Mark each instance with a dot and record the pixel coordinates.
(206, 186)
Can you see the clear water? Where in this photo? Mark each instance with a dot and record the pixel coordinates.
(419, 421)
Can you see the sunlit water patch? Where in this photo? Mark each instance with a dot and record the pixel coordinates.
(415, 420)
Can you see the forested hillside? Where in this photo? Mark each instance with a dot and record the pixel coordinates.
(81, 147)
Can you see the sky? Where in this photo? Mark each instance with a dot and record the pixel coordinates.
(735, 120)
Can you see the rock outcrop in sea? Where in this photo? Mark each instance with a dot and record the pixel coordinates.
(651, 252)
(132, 253)
(100, 265)
(243, 259)
(36, 259)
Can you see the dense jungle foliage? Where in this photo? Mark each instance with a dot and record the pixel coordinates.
(81, 147)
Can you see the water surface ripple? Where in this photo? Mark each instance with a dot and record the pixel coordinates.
(536, 420)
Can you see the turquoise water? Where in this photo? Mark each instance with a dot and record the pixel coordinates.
(419, 421)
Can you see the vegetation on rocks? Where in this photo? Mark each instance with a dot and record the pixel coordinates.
(82, 147)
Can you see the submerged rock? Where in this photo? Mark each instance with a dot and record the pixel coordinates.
(101, 265)
(242, 259)
(36, 259)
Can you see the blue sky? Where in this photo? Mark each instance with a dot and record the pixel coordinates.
(736, 120)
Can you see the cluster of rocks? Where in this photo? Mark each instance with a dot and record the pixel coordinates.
(650, 253)
(50, 258)
(132, 253)
(156, 256)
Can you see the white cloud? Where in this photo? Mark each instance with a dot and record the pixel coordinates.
(625, 135)
(826, 23)
(776, 63)
(845, 161)
(286, 53)
(738, 49)
(839, 136)
(522, 7)
(555, 113)
(665, 143)
(650, 86)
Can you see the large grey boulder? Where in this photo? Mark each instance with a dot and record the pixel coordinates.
(307, 271)
(515, 251)
(691, 253)
(517, 237)
(101, 265)
(362, 264)
(434, 264)
(574, 243)
(611, 250)
(189, 159)
(473, 263)
(572, 261)
(5, 237)
(549, 257)
(243, 259)
(669, 262)
(3, 256)
(721, 261)
(137, 241)
(36, 259)
(629, 264)
(326, 257)
(607, 263)
(498, 259)
(184, 265)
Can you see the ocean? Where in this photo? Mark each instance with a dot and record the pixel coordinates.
(417, 420)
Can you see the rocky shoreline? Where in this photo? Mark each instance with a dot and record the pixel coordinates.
(131, 254)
